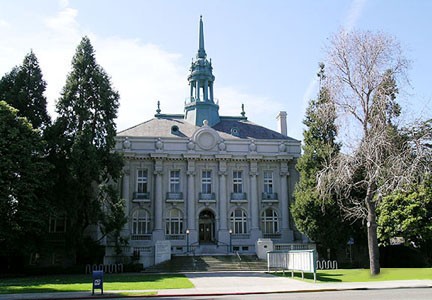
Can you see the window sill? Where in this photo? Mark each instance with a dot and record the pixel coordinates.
(270, 200)
(174, 200)
(141, 200)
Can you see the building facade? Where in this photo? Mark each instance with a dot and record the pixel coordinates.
(205, 182)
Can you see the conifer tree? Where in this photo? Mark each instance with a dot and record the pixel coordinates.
(319, 220)
(86, 130)
(23, 88)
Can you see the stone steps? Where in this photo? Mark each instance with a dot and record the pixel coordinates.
(211, 263)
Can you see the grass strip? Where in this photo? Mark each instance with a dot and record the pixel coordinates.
(81, 283)
(363, 275)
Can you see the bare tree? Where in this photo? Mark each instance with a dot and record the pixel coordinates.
(363, 71)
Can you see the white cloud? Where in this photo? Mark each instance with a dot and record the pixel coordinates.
(143, 73)
(64, 22)
(4, 24)
(63, 3)
(354, 14)
(259, 109)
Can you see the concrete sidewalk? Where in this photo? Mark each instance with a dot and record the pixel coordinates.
(237, 283)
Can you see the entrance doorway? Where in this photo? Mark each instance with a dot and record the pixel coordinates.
(206, 227)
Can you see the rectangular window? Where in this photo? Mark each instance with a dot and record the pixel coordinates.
(206, 182)
(237, 182)
(175, 181)
(57, 224)
(142, 181)
(268, 182)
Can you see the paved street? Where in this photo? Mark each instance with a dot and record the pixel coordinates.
(394, 294)
(241, 285)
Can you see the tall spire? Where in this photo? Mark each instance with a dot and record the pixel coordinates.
(201, 105)
(201, 50)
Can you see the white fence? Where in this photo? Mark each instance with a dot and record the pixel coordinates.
(295, 260)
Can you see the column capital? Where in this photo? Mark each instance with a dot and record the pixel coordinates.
(191, 173)
(158, 172)
(284, 173)
(253, 173)
(222, 173)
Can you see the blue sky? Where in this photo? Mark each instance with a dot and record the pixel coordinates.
(265, 54)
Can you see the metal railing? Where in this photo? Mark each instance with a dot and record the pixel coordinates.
(141, 196)
(174, 196)
(294, 246)
(326, 265)
(206, 196)
(238, 197)
(141, 237)
(269, 196)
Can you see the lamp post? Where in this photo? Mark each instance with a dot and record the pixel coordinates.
(187, 240)
(230, 233)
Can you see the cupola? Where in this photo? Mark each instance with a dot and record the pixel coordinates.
(200, 104)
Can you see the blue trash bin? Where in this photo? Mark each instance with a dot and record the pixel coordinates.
(97, 281)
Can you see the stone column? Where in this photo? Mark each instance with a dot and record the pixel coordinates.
(206, 90)
(254, 200)
(222, 200)
(211, 90)
(191, 200)
(191, 209)
(222, 203)
(126, 197)
(125, 186)
(254, 206)
(158, 232)
(287, 234)
(198, 89)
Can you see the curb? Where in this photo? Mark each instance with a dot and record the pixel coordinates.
(112, 294)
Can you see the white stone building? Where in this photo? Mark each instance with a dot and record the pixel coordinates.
(205, 182)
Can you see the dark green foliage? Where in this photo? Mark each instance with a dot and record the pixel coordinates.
(113, 217)
(84, 134)
(319, 219)
(23, 88)
(23, 184)
(408, 215)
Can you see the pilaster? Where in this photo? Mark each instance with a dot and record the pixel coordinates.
(158, 233)
(223, 203)
(287, 233)
(254, 206)
(191, 201)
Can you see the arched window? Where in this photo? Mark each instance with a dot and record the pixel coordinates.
(269, 221)
(174, 222)
(141, 222)
(239, 221)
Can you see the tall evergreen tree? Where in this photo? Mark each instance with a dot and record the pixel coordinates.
(23, 88)
(319, 220)
(23, 182)
(86, 130)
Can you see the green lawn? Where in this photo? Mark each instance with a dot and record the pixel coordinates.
(79, 283)
(363, 275)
